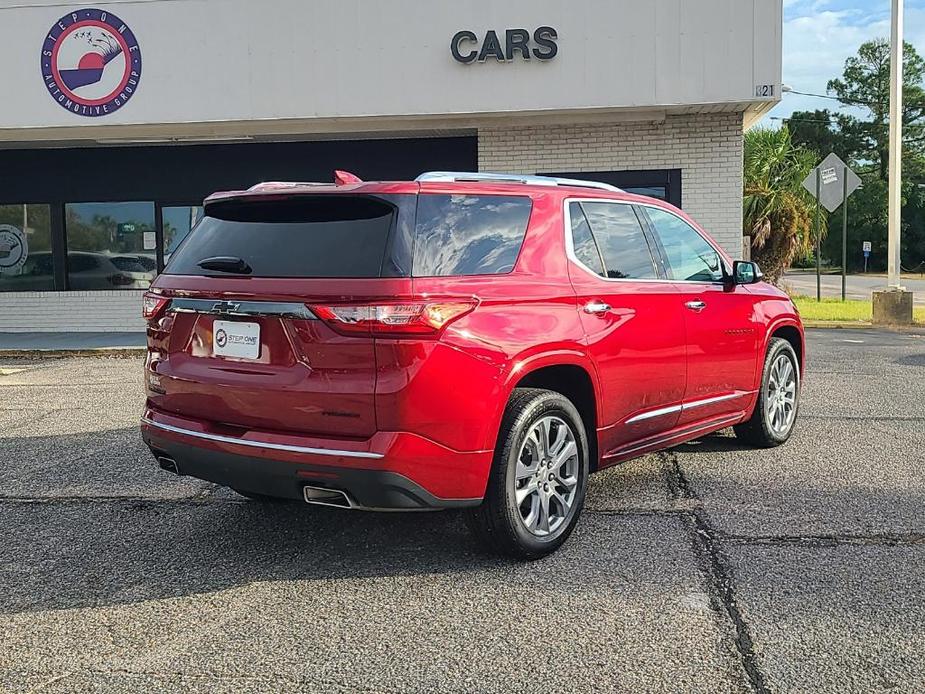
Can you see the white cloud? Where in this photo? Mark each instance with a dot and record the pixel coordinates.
(817, 41)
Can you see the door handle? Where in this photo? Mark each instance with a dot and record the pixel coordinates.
(696, 306)
(596, 307)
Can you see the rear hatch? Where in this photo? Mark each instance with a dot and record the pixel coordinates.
(235, 333)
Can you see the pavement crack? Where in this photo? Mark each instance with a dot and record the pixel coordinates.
(51, 680)
(640, 511)
(198, 499)
(840, 418)
(714, 566)
(883, 539)
(678, 487)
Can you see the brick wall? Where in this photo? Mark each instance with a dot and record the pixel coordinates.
(707, 147)
(102, 311)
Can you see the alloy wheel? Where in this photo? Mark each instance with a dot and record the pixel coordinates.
(781, 395)
(546, 481)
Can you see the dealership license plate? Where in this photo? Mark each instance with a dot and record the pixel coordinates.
(233, 339)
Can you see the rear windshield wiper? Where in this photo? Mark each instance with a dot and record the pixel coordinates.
(226, 263)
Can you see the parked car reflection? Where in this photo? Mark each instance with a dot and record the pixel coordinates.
(86, 271)
(100, 271)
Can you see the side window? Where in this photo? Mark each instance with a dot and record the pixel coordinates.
(619, 235)
(469, 234)
(690, 257)
(583, 242)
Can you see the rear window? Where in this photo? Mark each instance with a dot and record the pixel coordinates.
(312, 236)
(468, 234)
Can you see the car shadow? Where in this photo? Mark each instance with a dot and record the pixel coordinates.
(99, 547)
(714, 443)
(75, 537)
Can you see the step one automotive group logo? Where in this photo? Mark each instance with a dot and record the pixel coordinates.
(14, 249)
(91, 62)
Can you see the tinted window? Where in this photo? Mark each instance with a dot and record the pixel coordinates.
(81, 262)
(690, 257)
(178, 221)
(105, 229)
(25, 248)
(469, 234)
(621, 240)
(583, 242)
(317, 236)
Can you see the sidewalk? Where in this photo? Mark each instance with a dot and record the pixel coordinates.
(14, 344)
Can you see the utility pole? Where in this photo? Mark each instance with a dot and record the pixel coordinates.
(896, 145)
(894, 306)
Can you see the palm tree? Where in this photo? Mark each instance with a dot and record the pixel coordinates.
(778, 211)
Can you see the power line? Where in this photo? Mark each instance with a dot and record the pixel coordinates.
(845, 102)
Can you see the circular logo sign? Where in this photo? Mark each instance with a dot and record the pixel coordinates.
(221, 337)
(14, 249)
(91, 62)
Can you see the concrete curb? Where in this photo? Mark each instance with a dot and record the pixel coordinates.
(855, 325)
(116, 352)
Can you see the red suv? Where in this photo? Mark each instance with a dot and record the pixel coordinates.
(477, 341)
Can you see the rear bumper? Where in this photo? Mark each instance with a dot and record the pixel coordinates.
(389, 471)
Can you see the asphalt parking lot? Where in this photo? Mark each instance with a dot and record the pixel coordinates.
(709, 568)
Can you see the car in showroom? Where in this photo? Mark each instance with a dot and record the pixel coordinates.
(464, 340)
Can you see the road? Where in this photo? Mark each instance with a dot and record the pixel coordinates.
(857, 287)
(709, 568)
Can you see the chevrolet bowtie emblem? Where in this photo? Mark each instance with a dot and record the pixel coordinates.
(226, 307)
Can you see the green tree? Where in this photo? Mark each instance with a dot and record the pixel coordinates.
(778, 211)
(866, 85)
(861, 138)
(818, 131)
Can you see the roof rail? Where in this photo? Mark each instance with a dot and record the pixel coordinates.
(525, 179)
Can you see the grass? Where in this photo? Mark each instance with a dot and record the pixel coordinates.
(845, 311)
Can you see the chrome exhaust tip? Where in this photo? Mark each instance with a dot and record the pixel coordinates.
(168, 464)
(322, 496)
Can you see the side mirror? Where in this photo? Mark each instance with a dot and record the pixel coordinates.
(746, 272)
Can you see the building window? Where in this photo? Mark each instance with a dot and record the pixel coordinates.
(657, 192)
(663, 184)
(177, 221)
(110, 245)
(25, 248)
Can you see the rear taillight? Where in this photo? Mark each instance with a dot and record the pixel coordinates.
(152, 305)
(393, 320)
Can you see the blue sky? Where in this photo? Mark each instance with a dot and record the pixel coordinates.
(820, 34)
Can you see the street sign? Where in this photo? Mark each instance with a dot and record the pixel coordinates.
(831, 184)
(867, 247)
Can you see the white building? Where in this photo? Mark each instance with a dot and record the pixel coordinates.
(118, 120)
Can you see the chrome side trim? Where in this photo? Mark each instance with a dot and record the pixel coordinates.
(258, 444)
(687, 406)
(279, 309)
(715, 426)
(654, 413)
(718, 398)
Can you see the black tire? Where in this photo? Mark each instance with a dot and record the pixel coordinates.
(757, 431)
(497, 523)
